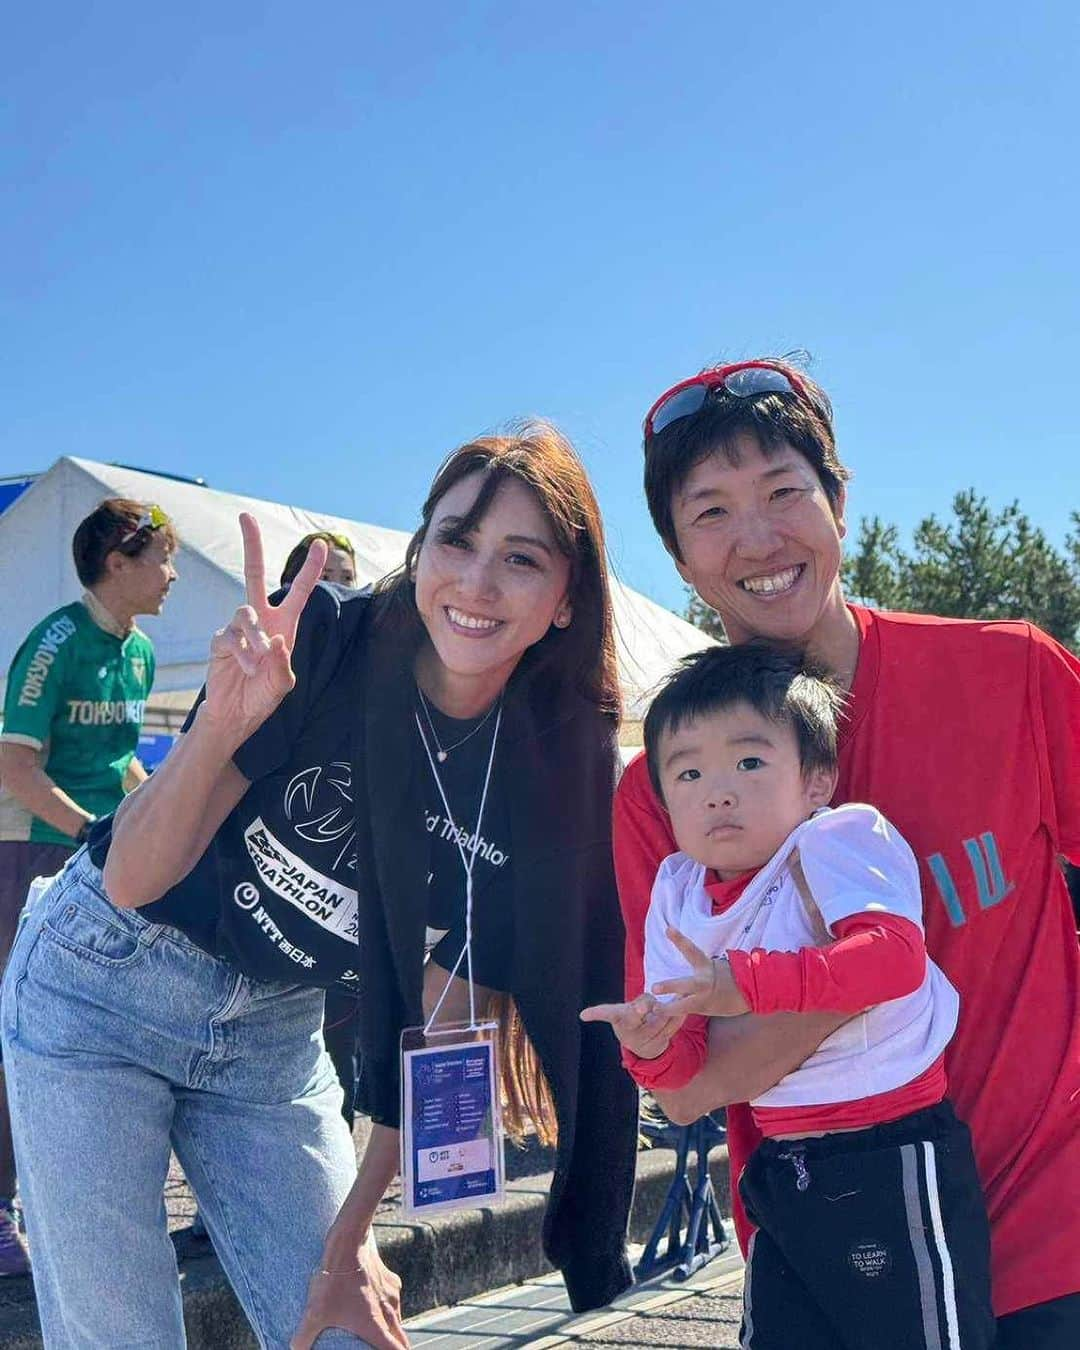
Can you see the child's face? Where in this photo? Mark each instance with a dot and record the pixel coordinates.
(735, 789)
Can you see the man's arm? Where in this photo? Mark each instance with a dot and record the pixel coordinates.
(22, 774)
(748, 1055)
(134, 774)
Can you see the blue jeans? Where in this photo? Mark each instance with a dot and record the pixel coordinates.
(123, 1039)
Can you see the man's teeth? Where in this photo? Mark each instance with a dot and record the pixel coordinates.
(779, 581)
(470, 620)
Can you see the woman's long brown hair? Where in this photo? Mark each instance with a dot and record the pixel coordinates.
(528, 1106)
(580, 657)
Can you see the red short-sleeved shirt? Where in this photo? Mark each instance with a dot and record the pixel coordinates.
(967, 736)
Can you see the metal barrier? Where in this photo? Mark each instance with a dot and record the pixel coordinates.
(692, 1203)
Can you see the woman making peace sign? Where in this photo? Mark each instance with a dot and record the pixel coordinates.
(167, 989)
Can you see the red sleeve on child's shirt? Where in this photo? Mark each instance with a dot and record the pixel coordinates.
(641, 840)
(876, 957)
(681, 1062)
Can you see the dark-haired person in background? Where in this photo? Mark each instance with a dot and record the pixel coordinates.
(965, 735)
(340, 565)
(76, 694)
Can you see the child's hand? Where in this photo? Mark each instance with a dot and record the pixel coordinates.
(645, 1026)
(709, 989)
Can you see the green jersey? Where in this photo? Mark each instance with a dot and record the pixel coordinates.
(78, 694)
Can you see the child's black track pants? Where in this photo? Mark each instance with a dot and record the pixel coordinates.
(871, 1240)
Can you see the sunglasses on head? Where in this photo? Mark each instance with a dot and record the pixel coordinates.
(338, 540)
(743, 379)
(153, 519)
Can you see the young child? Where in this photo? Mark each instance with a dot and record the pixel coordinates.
(872, 1231)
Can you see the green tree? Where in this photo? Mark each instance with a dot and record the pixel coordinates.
(979, 565)
(701, 616)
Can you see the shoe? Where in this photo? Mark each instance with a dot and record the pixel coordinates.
(14, 1258)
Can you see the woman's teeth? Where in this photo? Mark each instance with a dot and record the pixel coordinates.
(771, 585)
(464, 620)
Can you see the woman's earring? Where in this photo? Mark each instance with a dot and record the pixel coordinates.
(562, 619)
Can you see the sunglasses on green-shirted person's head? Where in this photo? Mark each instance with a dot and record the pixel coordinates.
(152, 519)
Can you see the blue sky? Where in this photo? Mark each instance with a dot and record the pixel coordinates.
(303, 250)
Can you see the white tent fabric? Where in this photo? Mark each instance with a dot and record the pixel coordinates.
(38, 575)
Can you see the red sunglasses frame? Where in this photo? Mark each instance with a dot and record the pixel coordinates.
(714, 379)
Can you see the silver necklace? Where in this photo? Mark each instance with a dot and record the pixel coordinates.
(442, 751)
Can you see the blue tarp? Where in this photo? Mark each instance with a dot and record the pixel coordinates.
(12, 489)
(153, 749)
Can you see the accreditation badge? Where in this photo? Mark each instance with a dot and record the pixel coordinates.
(451, 1119)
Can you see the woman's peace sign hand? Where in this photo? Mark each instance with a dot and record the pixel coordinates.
(250, 669)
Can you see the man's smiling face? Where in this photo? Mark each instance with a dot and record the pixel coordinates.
(759, 541)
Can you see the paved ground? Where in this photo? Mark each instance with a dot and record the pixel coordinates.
(703, 1311)
(709, 1317)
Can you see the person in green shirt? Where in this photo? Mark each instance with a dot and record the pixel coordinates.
(74, 705)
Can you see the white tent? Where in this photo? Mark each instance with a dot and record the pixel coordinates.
(37, 574)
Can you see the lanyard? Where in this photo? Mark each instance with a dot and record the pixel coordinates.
(468, 861)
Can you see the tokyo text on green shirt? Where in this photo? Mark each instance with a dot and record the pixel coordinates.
(78, 694)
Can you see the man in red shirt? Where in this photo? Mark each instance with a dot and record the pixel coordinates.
(964, 734)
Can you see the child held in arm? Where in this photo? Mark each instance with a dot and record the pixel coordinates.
(872, 1229)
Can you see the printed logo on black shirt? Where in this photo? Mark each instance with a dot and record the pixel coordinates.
(331, 905)
(318, 805)
(437, 821)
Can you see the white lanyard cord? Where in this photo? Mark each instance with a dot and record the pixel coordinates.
(467, 864)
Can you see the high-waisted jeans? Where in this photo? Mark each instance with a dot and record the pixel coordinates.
(122, 1039)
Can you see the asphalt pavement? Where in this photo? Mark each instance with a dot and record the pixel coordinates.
(705, 1310)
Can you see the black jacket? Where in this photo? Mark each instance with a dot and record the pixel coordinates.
(558, 753)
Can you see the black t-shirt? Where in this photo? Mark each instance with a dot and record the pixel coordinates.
(275, 892)
(462, 774)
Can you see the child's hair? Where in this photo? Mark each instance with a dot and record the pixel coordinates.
(775, 681)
